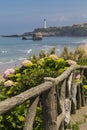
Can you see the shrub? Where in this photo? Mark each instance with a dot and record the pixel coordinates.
(29, 75)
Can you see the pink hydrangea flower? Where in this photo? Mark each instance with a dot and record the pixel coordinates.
(71, 62)
(8, 72)
(8, 83)
(26, 63)
(78, 76)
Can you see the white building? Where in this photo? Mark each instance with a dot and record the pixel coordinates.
(45, 23)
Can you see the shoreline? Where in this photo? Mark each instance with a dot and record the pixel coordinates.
(17, 64)
(6, 66)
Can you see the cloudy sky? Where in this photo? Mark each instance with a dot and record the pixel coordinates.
(19, 16)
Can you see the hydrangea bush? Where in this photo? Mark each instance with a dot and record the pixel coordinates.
(30, 74)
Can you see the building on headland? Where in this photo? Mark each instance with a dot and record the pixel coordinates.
(77, 25)
(45, 23)
(80, 25)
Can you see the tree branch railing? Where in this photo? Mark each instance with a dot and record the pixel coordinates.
(60, 97)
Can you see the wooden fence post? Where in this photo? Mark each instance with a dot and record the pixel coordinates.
(31, 114)
(62, 126)
(50, 108)
(82, 95)
(67, 89)
(68, 100)
(63, 89)
(73, 94)
(78, 96)
(82, 91)
(62, 98)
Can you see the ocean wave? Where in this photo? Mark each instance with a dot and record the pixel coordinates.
(26, 51)
(48, 47)
(6, 62)
(80, 42)
(29, 51)
(3, 51)
(21, 58)
(9, 61)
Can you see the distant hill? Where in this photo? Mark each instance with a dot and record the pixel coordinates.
(74, 30)
(63, 31)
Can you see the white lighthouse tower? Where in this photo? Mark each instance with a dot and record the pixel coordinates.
(45, 24)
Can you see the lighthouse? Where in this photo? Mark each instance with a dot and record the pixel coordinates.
(45, 24)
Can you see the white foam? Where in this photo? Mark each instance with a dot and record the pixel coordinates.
(3, 51)
(26, 51)
(46, 46)
(12, 60)
(29, 51)
(80, 42)
(21, 58)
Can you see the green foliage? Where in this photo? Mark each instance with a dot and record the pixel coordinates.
(85, 86)
(25, 78)
(82, 61)
(38, 125)
(75, 126)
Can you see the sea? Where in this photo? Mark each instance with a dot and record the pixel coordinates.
(14, 50)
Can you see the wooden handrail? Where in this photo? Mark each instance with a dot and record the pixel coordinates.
(24, 96)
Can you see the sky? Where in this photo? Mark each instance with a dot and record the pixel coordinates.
(19, 16)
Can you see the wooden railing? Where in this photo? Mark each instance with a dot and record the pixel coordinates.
(60, 97)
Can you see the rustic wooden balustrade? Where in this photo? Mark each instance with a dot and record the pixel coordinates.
(60, 97)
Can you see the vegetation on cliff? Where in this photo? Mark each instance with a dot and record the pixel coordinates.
(63, 31)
